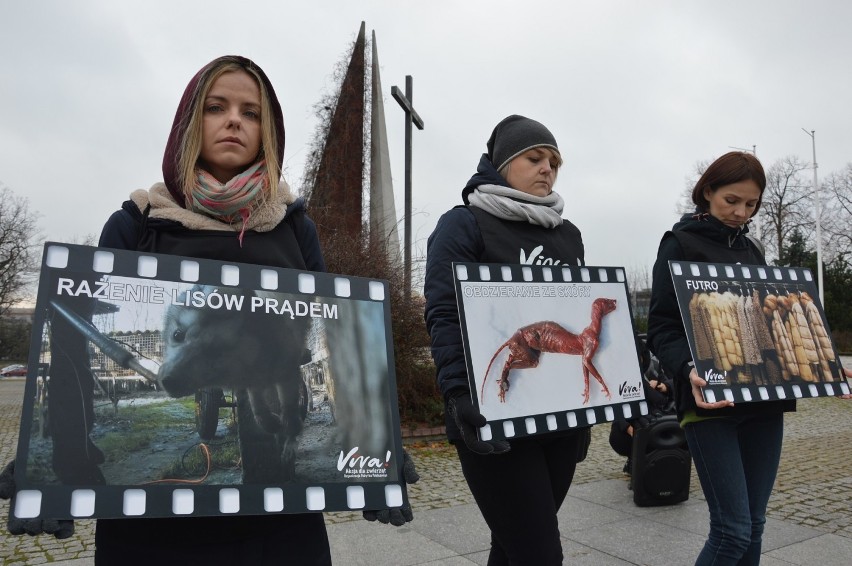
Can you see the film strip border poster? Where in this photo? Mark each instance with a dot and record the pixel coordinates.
(163, 386)
(524, 330)
(757, 333)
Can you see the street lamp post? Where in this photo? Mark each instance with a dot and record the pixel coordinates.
(817, 213)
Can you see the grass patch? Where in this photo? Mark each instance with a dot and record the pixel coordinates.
(134, 427)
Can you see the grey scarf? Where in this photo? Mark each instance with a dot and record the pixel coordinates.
(512, 204)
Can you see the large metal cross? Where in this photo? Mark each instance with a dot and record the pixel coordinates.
(411, 116)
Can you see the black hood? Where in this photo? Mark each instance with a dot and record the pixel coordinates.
(171, 155)
(485, 174)
(708, 226)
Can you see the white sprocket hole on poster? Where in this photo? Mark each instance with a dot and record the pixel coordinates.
(189, 270)
(183, 502)
(808, 276)
(133, 502)
(572, 419)
(710, 395)
(268, 279)
(547, 274)
(609, 414)
(508, 429)
(82, 502)
(307, 283)
(393, 495)
(57, 256)
(484, 273)
(566, 275)
(27, 503)
(103, 262)
(529, 424)
(761, 272)
(485, 432)
(779, 391)
(746, 272)
(728, 394)
(797, 391)
(764, 393)
(776, 272)
(526, 273)
(813, 389)
(376, 290)
(461, 272)
(551, 422)
(315, 498)
(585, 275)
(677, 269)
(627, 410)
(146, 266)
(591, 416)
(229, 500)
(230, 275)
(729, 271)
(793, 275)
(603, 275)
(355, 497)
(844, 388)
(694, 269)
(506, 273)
(712, 270)
(273, 499)
(620, 276)
(342, 288)
(746, 393)
(829, 390)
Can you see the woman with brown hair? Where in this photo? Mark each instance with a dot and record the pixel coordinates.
(736, 449)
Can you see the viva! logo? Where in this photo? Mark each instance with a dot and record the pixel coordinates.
(352, 461)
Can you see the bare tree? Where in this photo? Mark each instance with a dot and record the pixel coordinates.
(786, 204)
(836, 217)
(19, 242)
(685, 204)
(639, 279)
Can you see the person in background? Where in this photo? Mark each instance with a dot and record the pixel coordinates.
(657, 387)
(222, 198)
(509, 210)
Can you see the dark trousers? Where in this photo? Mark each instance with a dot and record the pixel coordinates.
(736, 459)
(519, 493)
(280, 540)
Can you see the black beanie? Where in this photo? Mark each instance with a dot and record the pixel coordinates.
(515, 135)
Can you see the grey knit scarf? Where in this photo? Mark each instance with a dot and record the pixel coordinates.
(512, 204)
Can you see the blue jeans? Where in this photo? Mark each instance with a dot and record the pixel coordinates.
(736, 459)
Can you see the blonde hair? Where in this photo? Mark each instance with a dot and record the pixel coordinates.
(190, 145)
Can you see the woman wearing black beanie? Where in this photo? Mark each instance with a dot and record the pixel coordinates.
(510, 215)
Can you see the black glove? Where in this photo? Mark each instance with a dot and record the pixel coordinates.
(60, 528)
(468, 420)
(397, 517)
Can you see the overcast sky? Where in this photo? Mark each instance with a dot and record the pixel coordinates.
(635, 92)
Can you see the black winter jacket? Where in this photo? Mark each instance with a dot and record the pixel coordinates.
(130, 229)
(702, 238)
(458, 237)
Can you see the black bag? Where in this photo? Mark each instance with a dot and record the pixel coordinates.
(662, 465)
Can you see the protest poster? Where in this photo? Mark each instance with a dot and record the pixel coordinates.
(757, 333)
(164, 386)
(548, 348)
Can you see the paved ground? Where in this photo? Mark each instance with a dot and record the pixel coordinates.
(810, 512)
